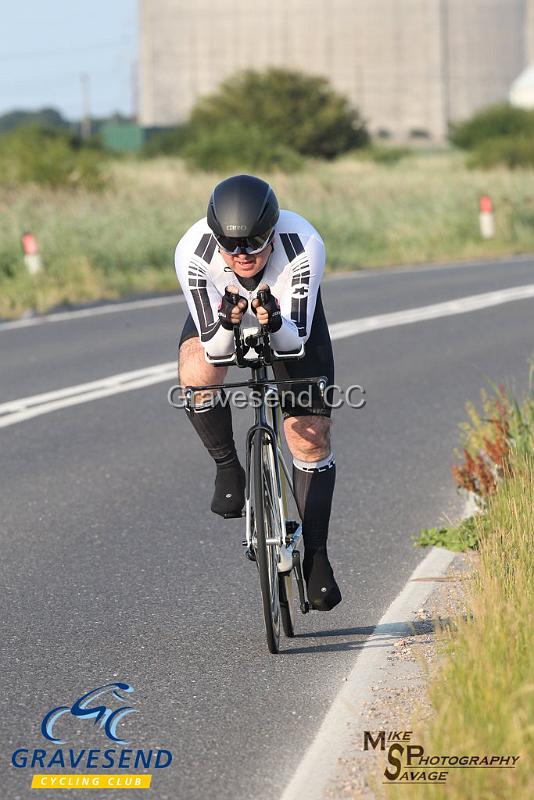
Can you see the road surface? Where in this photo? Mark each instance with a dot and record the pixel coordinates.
(113, 568)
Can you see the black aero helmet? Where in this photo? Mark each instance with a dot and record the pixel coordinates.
(242, 213)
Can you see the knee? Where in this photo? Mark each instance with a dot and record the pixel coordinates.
(308, 438)
(188, 359)
(194, 370)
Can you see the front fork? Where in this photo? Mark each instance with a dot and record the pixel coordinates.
(288, 554)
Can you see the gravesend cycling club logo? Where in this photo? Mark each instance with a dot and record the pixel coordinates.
(104, 709)
(105, 717)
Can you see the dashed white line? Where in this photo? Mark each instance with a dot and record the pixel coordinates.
(29, 407)
(122, 378)
(111, 308)
(462, 305)
(133, 305)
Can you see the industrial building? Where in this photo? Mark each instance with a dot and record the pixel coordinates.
(410, 66)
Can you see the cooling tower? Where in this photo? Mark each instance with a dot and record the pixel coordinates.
(410, 66)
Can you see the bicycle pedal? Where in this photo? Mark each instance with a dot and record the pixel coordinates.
(250, 554)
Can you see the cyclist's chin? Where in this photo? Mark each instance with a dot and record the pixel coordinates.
(246, 268)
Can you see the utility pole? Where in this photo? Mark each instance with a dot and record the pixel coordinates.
(134, 86)
(85, 126)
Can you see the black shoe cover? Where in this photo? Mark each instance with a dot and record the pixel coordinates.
(229, 496)
(323, 591)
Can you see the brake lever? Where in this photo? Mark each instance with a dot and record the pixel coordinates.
(264, 295)
(232, 297)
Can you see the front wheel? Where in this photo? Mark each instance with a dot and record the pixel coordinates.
(265, 523)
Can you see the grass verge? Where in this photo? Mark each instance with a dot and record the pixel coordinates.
(457, 538)
(483, 692)
(121, 241)
(492, 441)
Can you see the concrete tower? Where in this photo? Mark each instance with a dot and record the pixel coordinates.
(529, 31)
(408, 65)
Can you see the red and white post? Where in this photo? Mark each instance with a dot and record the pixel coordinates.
(32, 256)
(486, 217)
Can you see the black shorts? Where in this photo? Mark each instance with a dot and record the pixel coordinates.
(318, 360)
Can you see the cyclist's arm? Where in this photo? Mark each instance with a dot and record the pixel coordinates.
(203, 299)
(297, 303)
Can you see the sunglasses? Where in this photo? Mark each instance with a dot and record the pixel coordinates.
(251, 245)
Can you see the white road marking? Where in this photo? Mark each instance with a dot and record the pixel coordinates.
(104, 383)
(111, 308)
(429, 266)
(462, 305)
(343, 726)
(28, 407)
(133, 305)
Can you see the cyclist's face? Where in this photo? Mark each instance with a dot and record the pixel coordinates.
(247, 266)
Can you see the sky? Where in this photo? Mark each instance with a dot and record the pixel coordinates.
(45, 45)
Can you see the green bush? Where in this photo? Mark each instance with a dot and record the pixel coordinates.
(170, 142)
(511, 151)
(496, 122)
(461, 538)
(387, 155)
(299, 111)
(49, 157)
(232, 146)
(45, 117)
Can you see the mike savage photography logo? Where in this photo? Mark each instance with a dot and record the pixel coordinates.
(103, 709)
(409, 763)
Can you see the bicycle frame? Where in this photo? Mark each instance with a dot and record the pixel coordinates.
(268, 421)
(283, 535)
(269, 424)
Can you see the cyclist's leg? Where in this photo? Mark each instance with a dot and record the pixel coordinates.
(212, 420)
(307, 429)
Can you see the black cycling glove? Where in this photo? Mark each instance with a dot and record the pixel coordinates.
(269, 302)
(228, 301)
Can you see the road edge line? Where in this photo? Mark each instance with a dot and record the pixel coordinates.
(341, 724)
(93, 311)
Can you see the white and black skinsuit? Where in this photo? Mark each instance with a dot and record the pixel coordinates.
(293, 273)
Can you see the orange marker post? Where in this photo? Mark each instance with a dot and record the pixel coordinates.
(32, 256)
(486, 217)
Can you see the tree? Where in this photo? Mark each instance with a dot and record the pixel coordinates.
(46, 117)
(302, 112)
(49, 157)
(495, 122)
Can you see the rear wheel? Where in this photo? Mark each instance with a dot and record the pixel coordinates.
(266, 528)
(287, 605)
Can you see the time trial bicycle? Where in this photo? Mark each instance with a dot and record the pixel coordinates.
(272, 539)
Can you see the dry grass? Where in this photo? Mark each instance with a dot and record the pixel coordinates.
(424, 208)
(483, 695)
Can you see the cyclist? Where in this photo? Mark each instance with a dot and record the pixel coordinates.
(246, 243)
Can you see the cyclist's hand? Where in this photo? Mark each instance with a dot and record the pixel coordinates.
(267, 309)
(231, 308)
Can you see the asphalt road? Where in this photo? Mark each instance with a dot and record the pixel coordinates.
(113, 568)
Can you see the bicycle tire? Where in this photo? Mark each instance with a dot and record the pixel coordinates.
(266, 554)
(285, 580)
(287, 606)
